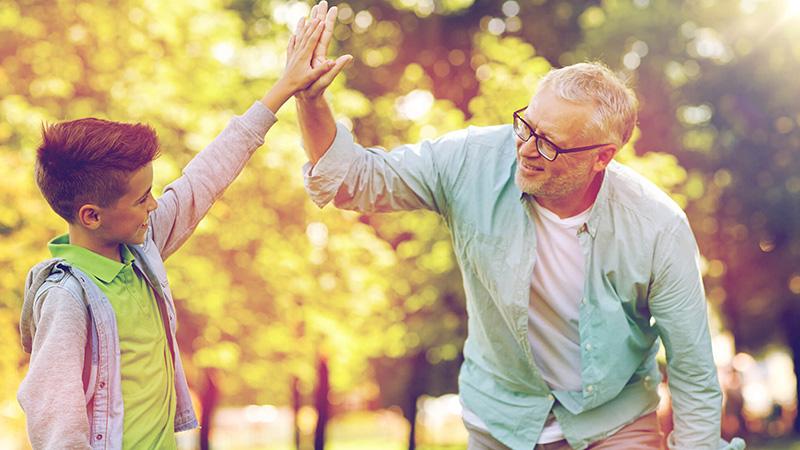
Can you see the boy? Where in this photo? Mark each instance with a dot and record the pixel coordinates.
(98, 318)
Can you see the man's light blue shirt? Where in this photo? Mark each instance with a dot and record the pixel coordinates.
(643, 285)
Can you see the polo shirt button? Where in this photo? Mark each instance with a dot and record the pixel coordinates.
(99, 437)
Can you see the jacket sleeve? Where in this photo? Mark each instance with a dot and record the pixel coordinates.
(187, 200)
(51, 394)
(678, 305)
(373, 180)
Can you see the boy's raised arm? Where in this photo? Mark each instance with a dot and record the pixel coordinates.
(186, 200)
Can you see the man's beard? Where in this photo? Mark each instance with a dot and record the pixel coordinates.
(548, 186)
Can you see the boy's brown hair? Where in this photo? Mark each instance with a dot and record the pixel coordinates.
(90, 161)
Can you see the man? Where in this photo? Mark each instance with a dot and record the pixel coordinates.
(574, 266)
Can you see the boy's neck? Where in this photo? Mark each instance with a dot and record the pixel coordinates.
(80, 238)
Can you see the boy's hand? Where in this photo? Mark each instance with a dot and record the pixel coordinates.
(328, 17)
(299, 73)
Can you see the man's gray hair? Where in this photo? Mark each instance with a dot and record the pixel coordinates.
(592, 82)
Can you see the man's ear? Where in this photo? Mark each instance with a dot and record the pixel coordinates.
(89, 216)
(604, 156)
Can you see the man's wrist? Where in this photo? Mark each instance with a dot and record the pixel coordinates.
(305, 101)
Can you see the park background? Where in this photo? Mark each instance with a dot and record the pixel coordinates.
(307, 327)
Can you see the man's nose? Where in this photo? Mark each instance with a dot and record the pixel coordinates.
(527, 148)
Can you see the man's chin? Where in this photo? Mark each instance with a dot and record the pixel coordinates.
(528, 186)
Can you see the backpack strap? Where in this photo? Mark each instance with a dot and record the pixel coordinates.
(61, 275)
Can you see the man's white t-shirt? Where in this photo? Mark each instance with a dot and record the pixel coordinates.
(554, 309)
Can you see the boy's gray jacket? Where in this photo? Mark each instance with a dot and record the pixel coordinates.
(71, 394)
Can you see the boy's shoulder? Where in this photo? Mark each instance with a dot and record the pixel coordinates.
(43, 278)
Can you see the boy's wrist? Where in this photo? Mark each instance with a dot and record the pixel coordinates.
(278, 94)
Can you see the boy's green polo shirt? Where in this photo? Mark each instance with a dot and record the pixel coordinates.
(148, 393)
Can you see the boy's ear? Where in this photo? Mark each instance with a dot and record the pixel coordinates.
(89, 216)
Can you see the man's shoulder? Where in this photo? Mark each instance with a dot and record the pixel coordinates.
(488, 135)
(631, 190)
(477, 135)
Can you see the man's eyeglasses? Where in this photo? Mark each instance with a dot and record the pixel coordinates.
(544, 146)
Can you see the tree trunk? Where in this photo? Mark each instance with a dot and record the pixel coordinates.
(791, 319)
(416, 387)
(296, 410)
(208, 402)
(321, 403)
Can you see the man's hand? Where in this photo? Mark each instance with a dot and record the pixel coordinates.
(313, 113)
(328, 17)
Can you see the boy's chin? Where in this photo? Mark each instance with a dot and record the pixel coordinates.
(137, 239)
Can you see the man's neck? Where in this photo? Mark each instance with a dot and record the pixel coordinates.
(82, 239)
(575, 202)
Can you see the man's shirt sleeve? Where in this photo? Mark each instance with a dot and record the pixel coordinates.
(373, 180)
(678, 304)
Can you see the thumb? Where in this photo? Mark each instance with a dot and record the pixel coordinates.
(325, 80)
(320, 69)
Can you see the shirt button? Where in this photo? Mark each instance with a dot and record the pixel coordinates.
(102, 384)
(583, 301)
(588, 347)
(99, 437)
(550, 397)
(589, 388)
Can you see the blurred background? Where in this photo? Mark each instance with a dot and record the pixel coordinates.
(306, 328)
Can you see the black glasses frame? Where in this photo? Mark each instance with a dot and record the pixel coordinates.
(559, 150)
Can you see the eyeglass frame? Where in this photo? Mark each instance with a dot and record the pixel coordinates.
(558, 149)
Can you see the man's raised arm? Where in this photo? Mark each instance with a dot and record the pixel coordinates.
(314, 115)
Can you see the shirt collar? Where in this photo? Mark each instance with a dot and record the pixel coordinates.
(600, 203)
(92, 263)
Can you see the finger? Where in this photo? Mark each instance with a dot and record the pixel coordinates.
(318, 71)
(313, 39)
(313, 12)
(298, 30)
(322, 8)
(326, 79)
(330, 22)
(311, 35)
(290, 47)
